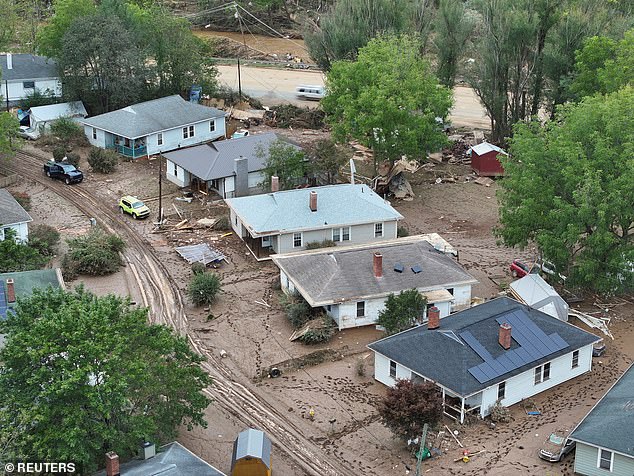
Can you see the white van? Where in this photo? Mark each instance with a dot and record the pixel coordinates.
(314, 93)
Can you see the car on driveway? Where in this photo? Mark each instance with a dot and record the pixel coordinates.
(556, 446)
(63, 171)
(133, 206)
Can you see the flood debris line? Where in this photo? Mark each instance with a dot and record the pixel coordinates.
(201, 253)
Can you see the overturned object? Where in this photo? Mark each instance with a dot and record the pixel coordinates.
(202, 253)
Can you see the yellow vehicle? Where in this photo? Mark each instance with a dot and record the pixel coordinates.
(134, 207)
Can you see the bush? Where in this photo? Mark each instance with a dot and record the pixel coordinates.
(402, 232)
(67, 130)
(297, 309)
(314, 245)
(318, 334)
(18, 256)
(95, 254)
(204, 288)
(73, 159)
(103, 161)
(37, 98)
(59, 152)
(44, 238)
(223, 223)
(198, 268)
(24, 199)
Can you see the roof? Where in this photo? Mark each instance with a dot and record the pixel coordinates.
(216, 159)
(55, 111)
(172, 459)
(466, 336)
(252, 444)
(24, 282)
(27, 66)
(331, 275)
(11, 212)
(610, 424)
(153, 116)
(485, 147)
(287, 211)
(537, 293)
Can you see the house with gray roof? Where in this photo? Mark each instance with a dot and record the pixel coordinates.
(286, 221)
(500, 350)
(605, 437)
(352, 283)
(155, 126)
(231, 168)
(23, 74)
(13, 216)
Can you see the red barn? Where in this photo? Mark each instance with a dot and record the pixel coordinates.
(484, 160)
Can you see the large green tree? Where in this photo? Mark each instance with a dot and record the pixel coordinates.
(388, 100)
(83, 375)
(50, 37)
(401, 311)
(569, 186)
(453, 27)
(285, 161)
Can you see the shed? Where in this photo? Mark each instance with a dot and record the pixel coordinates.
(538, 294)
(251, 454)
(41, 117)
(484, 159)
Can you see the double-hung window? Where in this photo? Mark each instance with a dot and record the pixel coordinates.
(361, 309)
(94, 133)
(341, 234)
(212, 125)
(542, 373)
(575, 359)
(188, 132)
(378, 230)
(501, 390)
(606, 458)
(159, 138)
(392, 369)
(297, 240)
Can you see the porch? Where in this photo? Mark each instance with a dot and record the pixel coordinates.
(458, 408)
(260, 248)
(133, 148)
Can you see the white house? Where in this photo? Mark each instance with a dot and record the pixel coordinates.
(13, 216)
(282, 222)
(41, 117)
(216, 165)
(23, 74)
(500, 350)
(352, 283)
(155, 126)
(537, 293)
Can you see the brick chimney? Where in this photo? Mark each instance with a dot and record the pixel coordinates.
(313, 201)
(275, 183)
(505, 335)
(433, 318)
(10, 290)
(112, 464)
(377, 264)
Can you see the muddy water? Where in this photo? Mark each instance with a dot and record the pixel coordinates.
(265, 44)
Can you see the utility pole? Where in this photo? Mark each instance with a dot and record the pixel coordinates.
(419, 455)
(160, 220)
(6, 88)
(239, 82)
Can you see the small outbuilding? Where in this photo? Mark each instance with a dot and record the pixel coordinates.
(538, 294)
(41, 117)
(484, 159)
(251, 454)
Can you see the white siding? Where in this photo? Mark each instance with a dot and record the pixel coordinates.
(382, 370)
(462, 297)
(100, 141)
(236, 224)
(17, 91)
(21, 231)
(176, 174)
(173, 138)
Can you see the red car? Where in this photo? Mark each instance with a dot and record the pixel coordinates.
(520, 269)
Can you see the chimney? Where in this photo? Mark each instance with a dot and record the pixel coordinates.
(10, 290)
(148, 450)
(378, 265)
(241, 169)
(505, 335)
(313, 201)
(9, 61)
(433, 318)
(112, 464)
(275, 183)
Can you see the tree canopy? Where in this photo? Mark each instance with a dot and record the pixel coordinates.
(401, 311)
(83, 375)
(284, 161)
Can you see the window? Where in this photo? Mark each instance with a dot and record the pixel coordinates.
(501, 390)
(175, 170)
(346, 234)
(575, 359)
(297, 240)
(605, 458)
(188, 132)
(159, 138)
(212, 125)
(542, 373)
(341, 234)
(378, 230)
(361, 309)
(546, 375)
(28, 84)
(392, 369)
(336, 234)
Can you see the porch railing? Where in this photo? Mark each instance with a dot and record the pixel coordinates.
(129, 151)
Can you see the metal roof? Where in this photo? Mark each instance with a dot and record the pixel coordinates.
(27, 66)
(485, 147)
(153, 116)
(537, 293)
(252, 444)
(331, 275)
(55, 111)
(11, 212)
(216, 159)
(201, 253)
(610, 424)
(287, 211)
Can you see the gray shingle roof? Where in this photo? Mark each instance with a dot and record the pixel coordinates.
(337, 205)
(27, 66)
(610, 424)
(153, 116)
(339, 274)
(11, 212)
(216, 159)
(442, 357)
(252, 444)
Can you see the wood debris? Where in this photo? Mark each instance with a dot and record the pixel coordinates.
(486, 181)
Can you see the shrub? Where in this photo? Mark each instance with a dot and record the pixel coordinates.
(24, 199)
(103, 161)
(18, 256)
(73, 159)
(67, 130)
(95, 254)
(319, 333)
(402, 232)
(313, 245)
(59, 152)
(204, 288)
(44, 238)
(198, 267)
(37, 98)
(223, 223)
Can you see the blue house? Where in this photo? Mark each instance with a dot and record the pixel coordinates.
(155, 126)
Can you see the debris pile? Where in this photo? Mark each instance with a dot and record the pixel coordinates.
(391, 181)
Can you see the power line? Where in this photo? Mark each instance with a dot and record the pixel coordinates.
(271, 28)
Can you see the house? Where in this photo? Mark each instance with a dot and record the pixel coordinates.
(352, 283)
(232, 168)
(281, 222)
(251, 454)
(172, 459)
(23, 74)
(13, 216)
(484, 159)
(501, 350)
(155, 126)
(538, 294)
(41, 117)
(605, 437)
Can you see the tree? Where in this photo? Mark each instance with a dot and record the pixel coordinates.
(408, 406)
(50, 37)
(388, 100)
(452, 27)
(569, 187)
(94, 254)
(326, 159)
(9, 139)
(204, 288)
(401, 312)
(285, 161)
(83, 375)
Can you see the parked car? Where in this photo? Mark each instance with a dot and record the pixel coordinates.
(598, 349)
(550, 269)
(134, 207)
(240, 133)
(62, 171)
(520, 269)
(308, 92)
(556, 446)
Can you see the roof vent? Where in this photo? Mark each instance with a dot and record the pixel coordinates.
(399, 268)
(417, 269)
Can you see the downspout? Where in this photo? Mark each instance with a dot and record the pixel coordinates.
(462, 411)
